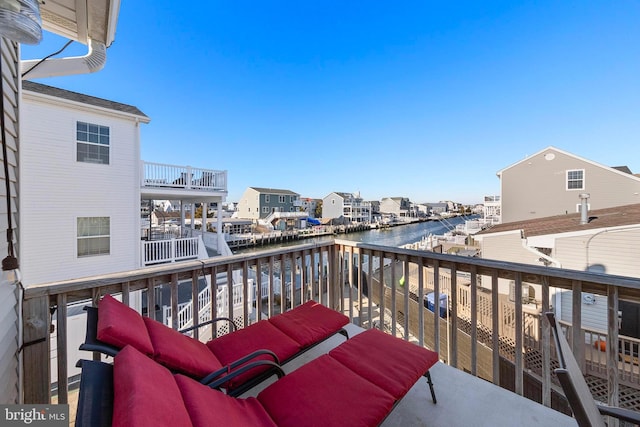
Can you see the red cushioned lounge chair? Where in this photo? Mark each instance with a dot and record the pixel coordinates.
(326, 391)
(266, 343)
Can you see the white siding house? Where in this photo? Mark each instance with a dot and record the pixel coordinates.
(68, 202)
(607, 242)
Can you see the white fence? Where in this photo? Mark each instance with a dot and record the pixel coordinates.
(163, 251)
(173, 176)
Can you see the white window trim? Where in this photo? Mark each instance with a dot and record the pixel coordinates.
(566, 181)
(95, 236)
(92, 143)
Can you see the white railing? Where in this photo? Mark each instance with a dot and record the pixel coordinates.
(185, 309)
(163, 251)
(187, 177)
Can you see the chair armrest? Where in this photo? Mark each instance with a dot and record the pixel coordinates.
(95, 396)
(231, 368)
(91, 341)
(619, 413)
(232, 326)
(274, 368)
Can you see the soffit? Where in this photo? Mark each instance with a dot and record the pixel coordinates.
(81, 20)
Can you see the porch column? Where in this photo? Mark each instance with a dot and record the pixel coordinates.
(36, 352)
(183, 218)
(205, 208)
(219, 221)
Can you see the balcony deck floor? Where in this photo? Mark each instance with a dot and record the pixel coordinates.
(463, 400)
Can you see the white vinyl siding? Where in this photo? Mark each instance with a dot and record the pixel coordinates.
(8, 300)
(52, 198)
(613, 251)
(594, 315)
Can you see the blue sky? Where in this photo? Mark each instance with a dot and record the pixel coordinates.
(419, 99)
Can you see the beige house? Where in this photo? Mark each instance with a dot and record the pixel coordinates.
(603, 241)
(551, 181)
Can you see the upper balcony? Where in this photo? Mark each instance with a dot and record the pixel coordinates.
(172, 182)
(497, 356)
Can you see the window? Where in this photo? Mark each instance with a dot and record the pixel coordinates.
(93, 236)
(281, 199)
(93, 143)
(265, 209)
(267, 198)
(575, 179)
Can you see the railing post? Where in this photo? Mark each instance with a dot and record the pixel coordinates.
(612, 346)
(36, 353)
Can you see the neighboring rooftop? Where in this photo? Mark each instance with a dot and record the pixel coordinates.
(79, 97)
(273, 191)
(601, 218)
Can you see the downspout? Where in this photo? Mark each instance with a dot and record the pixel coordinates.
(93, 61)
(557, 303)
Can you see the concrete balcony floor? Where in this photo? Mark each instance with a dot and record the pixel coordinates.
(463, 400)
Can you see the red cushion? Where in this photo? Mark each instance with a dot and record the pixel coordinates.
(119, 325)
(325, 393)
(310, 323)
(391, 363)
(145, 393)
(180, 352)
(258, 336)
(208, 407)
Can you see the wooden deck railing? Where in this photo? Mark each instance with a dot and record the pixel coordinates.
(347, 276)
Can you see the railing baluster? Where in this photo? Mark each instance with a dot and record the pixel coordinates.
(421, 302)
(453, 325)
(406, 276)
(369, 289)
(546, 345)
(577, 337)
(271, 282)
(474, 321)
(613, 388)
(519, 372)
(359, 287)
(436, 312)
(195, 309)
(394, 308)
(151, 298)
(229, 290)
(495, 335)
(245, 293)
(174, 301)
(381, 287)
(259, 295)
(61, 337)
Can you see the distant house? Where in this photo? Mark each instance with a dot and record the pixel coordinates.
(396, 206)
(603, 240)
(279, 208)
(350, 206)
(310, 205)
(492, 209)
(551, 181)
(437, 208)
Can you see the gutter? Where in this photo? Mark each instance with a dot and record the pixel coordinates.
(93, 61)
